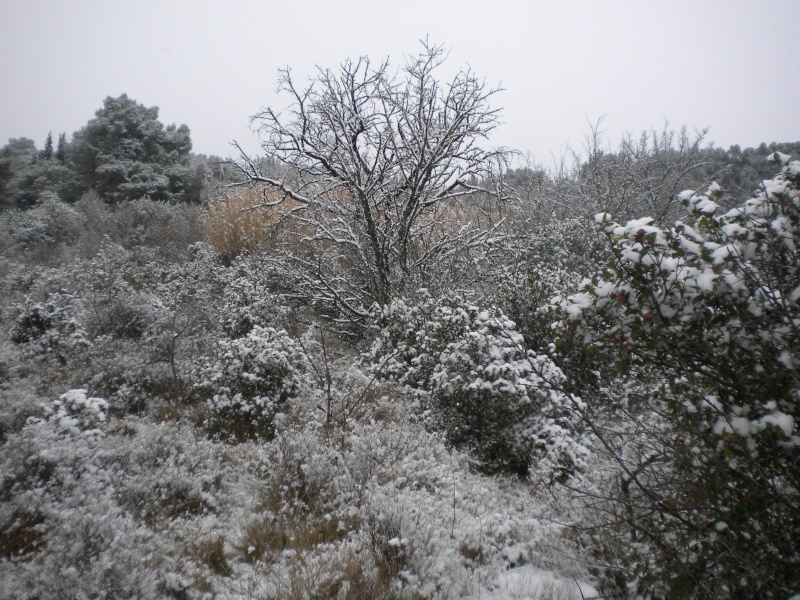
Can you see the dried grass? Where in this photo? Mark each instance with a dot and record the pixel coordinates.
(239, 220)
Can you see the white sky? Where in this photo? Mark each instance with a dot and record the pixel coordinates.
(729, 65)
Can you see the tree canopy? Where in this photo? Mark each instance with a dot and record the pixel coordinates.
(375, 158)
(125, 153)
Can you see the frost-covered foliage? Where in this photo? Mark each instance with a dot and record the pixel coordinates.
(643, 176)
(474, 379)
(249, 380)
(382, 509)
(707, 315)
(525, 298)
(49, 328)
(75, 412)
(131, 326)
(247, 299)
(571, 244)
(124, 153)
(50, 222)
(343, 493)
(100, 512)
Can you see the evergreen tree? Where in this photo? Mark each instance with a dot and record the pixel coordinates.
(61, 148)
(125, 153)
(47, 151)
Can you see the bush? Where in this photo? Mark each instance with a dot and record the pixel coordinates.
(249, 381)
(525, 297)
(469, 370)
(50, 222)
(246, 300)
(706, 314)
(75, 412)
(49, 328)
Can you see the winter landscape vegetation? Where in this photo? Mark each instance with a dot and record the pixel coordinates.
(384, 359)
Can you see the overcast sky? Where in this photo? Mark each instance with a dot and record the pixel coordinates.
(729, 65)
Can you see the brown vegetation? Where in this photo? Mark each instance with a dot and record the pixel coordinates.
(244, 219)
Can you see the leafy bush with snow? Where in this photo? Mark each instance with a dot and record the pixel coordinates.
(708, 314)
(246, 300)
(50, 222)
(249, 380)
(49, 328)
(525, 298)
(474, 379)
(74, 411)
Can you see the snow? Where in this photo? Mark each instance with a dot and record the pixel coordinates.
(780, 421)
(530, 583)
(706, 280)
(707, 206)
(780, 158)
(352, 473)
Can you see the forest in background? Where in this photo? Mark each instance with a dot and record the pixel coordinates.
(385, 361)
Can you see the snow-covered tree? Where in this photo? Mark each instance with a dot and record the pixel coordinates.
(643, 176)
(375, 160)
(125, 153)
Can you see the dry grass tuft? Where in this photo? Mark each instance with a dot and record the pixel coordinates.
(237, 222)
(345, 576)
(266, 537)
(212, 554)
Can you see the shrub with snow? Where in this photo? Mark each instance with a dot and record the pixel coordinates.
(74, 411)
(50, 222)
(246, 299)
(474, 379)
(49, 328)
(248, 381)
(707, 313)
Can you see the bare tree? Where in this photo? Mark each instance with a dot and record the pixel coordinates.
(644, 176)
(376, 164)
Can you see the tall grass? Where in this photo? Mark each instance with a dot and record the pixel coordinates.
(238, 220)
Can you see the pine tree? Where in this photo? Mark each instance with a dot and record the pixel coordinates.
(47, 151)
(60, 149)
(125, 153)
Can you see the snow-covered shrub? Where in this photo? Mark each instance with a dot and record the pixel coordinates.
(246, 299)
(111, 285)
(18, 402)
(475, 380)
(248, 381)
(49, 328)
(570, 244)
(169, 472)
(525, 298)
(63, 531)
(707, 313)
(169, 229)
(50, 222)
(74, 411)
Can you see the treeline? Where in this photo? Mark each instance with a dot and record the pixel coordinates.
(643, 175)
(123, 153)
(126, 153)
